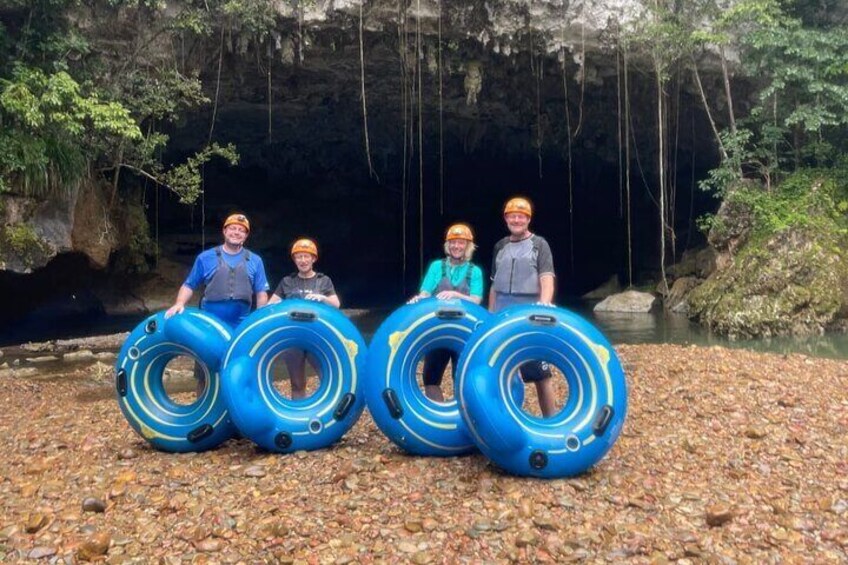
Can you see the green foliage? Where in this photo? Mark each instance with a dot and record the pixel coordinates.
(48, 122)
(184, 179)
(807, 68)
(813, 199)
(802, 101)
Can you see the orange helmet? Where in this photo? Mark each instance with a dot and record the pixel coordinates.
(238, 219)
(305, 246)
(519, 205)
(459, 231)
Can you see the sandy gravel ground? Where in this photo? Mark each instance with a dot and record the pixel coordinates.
(727, 456)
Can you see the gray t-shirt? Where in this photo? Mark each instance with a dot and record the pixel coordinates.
(293, 286)
(517, 265)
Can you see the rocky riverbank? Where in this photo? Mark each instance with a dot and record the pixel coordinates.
(726, 456)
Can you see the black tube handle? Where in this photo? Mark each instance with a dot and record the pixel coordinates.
(200, 433)
(449, 314)
(121, 381)
(302, 316)
(542, 319)
(344, 406)
(392, 403)
(602, 420)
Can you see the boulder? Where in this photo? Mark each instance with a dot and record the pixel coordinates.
(608, 288)
(699, 263)
(788, 284)
(627, 301)
(676, 299)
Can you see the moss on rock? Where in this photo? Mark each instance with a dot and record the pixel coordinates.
(790, 275)
(20, 246)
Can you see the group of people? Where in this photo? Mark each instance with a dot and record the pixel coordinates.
(522, 273)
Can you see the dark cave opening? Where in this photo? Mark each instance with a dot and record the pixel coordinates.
(358, 221)
(303, 170)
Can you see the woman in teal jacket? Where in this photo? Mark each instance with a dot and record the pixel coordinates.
(452, 277)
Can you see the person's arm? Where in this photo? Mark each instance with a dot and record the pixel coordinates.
(275, 299)
(475, 291)
(333, 300)
(260, 283)
(546, 273)
(492, 299)
(476, 285)
(183, 296)
(430, 282)
(421, 295)
(546, 293)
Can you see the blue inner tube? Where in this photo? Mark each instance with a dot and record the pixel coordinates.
(567, 443)
(141, 394)
(401, 410)
(264, 415)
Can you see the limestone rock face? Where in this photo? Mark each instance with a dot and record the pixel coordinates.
(34, 230)
(680, 289)
(93, 232)
(699, 263)
(627, 301)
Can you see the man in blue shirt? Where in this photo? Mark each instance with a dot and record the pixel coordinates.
(232, 276)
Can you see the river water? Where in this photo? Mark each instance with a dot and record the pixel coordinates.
(654, 327)
(658, 326)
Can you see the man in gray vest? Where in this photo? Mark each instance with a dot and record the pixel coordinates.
(232, 277)
(523, 273)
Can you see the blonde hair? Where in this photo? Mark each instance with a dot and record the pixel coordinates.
(469, 249)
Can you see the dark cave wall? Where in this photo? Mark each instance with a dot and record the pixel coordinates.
(309, 175)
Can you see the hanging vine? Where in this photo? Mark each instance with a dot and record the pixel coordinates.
(209, 139)
(404, 92)
(627, 167)
(441, 124)
(371, 172)
(569, 139)
(418, 55)
(538, 72)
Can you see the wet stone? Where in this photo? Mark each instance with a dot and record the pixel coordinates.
(92, 504)
(756, 433)
(255, 471)
(95, 546)
(42, 359)
(719, 514)
(209, 545)
(413, 526)
(525, 538)
(8, 532)
(35, 522)
(77, 356)
(41, 552)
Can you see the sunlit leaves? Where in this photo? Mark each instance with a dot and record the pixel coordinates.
(184, 179)
(47, 123)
